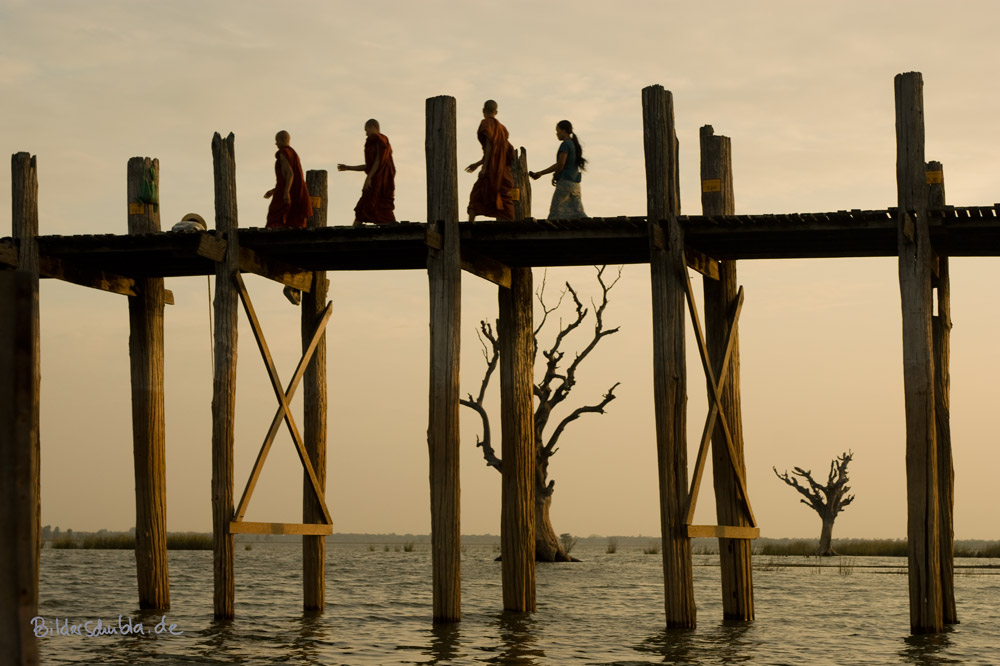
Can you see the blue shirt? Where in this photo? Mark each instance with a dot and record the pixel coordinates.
(571, 171)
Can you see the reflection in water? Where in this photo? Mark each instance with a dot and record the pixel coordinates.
(728, 643)
(518, 640)
(925, 649)
(311, 633)
(444, 643)
(674, 645)
(218, 640)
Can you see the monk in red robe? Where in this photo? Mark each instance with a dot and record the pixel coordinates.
(491, 195)
(378, 193)
(291, 204)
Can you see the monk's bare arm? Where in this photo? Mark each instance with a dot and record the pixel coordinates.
(345, 167)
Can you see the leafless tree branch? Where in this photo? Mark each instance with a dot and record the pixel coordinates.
(488, 453)
(549, 449)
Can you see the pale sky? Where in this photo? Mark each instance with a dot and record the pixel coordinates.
(806, 98)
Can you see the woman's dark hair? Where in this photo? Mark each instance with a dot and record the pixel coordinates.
(567, 126)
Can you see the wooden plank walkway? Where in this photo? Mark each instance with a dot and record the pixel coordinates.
(955, 231)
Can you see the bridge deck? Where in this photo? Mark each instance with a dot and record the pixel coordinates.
(966, 231)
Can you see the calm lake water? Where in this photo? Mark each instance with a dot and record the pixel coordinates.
(605, 610)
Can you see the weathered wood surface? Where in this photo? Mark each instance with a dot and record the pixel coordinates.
(24, 223)
(145, 347)
(445, 282)
(224, 381)
(918, 364)
(272, 269)
(284, 404)
(314, 401)
(668, 277)
(316, 530)
(18, 468)
(941, 324)
(720, 300)
(489, 269)
(517, 513)
(725, 533)
(522, 182)
(970, 231)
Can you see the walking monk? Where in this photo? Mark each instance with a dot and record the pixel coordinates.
(491, 194)
(291, 204)
(377, 194)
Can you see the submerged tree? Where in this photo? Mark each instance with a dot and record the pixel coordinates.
(828, 500)
(553, 388)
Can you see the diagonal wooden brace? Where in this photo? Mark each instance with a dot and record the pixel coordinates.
(715, 411)
(284, 412)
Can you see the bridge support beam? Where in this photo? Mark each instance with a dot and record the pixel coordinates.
(314, 412)
(224, 380)
(668, 274)
(517, 515)
(444, 274)
(915, 256)
(145, 347)
(720, 299)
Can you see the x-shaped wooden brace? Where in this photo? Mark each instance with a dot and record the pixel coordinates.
(715, 409)
(284, 412)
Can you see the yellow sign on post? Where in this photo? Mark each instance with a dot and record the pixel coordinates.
(317, 202)
(714, 185)
(136, 209)
(934, 177)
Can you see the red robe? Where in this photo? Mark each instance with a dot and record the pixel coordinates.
(491, 194)
(376, 203)
(294, 214)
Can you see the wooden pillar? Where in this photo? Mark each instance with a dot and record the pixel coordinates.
(941, 324)
(24, 222)
(224, 381)
(667, 271)
(145, 350)
(720, 298)
(18, 465)
(517, 515)
(522, 182)
(314, 407)
(918, 363)
(444, 276)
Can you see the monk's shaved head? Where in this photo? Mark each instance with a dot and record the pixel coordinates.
(283, 138)
(372, 123)
(490, 106)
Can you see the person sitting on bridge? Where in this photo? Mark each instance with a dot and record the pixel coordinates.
(491, 195)
(377, 193)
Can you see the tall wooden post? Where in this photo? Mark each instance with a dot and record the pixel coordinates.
(942, 404)
(145, 347)
(444, 276)
(24, 222)
(720, 298)
(915, 256)
(314, 419)
(18, 465)
(522, 182)
(517, 514)
(667, 270)
(224, 381)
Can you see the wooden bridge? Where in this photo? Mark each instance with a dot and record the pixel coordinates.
(922, 231)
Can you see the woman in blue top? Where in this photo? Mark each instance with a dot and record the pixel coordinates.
(566, 202)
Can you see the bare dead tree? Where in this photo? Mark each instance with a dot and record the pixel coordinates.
(828, 500)
(551, 390)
